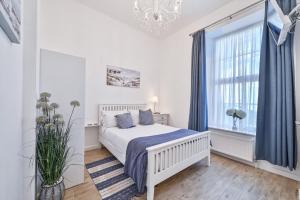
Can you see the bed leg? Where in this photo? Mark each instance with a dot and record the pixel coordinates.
(209, 148)
(208, 159)
(150, 193)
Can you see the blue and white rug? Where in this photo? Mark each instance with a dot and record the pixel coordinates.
(110, 180)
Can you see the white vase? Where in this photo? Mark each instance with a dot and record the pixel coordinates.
(234, 126)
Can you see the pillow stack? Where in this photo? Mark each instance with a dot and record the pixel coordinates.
(109, 119)
(125, 120)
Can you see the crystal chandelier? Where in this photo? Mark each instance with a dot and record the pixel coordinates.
(156, 15)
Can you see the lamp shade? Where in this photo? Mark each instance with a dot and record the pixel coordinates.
(154, 99)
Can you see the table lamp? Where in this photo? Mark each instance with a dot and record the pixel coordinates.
(155, 101)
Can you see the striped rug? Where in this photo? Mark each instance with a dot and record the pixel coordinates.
(110, 180)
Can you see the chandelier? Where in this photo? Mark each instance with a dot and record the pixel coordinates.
(156, 15)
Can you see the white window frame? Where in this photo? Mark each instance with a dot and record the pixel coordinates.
(228, 80)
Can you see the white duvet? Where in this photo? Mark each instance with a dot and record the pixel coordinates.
(116, 139)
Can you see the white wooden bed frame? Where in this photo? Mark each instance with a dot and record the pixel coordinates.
(167, 159)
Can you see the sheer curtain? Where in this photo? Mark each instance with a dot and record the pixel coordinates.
(233, 77)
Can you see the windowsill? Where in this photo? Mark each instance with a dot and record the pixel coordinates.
(242, 132)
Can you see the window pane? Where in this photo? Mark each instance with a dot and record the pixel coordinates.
(234, 77)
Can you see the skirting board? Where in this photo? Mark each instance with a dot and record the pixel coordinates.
(232, 158)
(92, 147)
(264, 165)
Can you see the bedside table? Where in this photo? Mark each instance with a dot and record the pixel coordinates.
(161, 119)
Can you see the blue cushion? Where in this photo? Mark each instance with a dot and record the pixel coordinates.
(124, 121)
(146, 117)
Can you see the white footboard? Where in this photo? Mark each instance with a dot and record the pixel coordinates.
(167, 159)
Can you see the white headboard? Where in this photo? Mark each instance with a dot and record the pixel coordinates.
(118, 107)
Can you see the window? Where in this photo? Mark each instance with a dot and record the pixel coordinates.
(233, 77)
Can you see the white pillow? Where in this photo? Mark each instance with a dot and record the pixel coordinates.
(108, 118)
(135, 116)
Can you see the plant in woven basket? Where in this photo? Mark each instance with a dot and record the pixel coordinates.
(236, 114)
(52, 150)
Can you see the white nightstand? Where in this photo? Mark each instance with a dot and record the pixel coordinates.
(161, 118)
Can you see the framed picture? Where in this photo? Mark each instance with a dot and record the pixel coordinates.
(10, 19)
(121, 77)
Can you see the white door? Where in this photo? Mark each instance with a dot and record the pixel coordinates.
(64, 77)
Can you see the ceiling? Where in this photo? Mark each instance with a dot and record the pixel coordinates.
(122, 10)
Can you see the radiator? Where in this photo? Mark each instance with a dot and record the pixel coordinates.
(233, 144)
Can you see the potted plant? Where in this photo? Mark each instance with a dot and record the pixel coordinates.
(52, 150)
(236, 114)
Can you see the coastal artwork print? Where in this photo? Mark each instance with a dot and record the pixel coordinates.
(121, 77)
(10, 19)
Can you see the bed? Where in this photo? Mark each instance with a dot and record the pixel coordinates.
(164, 160)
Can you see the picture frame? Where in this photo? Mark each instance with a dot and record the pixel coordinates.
(122, 77)
(10, 19)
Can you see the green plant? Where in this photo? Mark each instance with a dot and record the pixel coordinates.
(236, 114)
(52, 139)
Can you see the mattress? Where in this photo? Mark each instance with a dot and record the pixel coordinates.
(116, 139)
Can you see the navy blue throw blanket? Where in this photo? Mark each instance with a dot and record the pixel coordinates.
(137, 155)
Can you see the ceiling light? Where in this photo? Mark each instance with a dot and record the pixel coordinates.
(156, 15)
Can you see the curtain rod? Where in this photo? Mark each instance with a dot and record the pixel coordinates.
(230, 16)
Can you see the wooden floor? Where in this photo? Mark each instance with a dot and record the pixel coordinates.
(224, 179)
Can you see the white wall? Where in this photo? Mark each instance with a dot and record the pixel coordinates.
(17, 105)
(30, 91)
(175, 81)
(78, 30)
(11, 165)
(176, 65)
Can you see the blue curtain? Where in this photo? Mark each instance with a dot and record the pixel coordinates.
(276, 139)
(198, 106)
